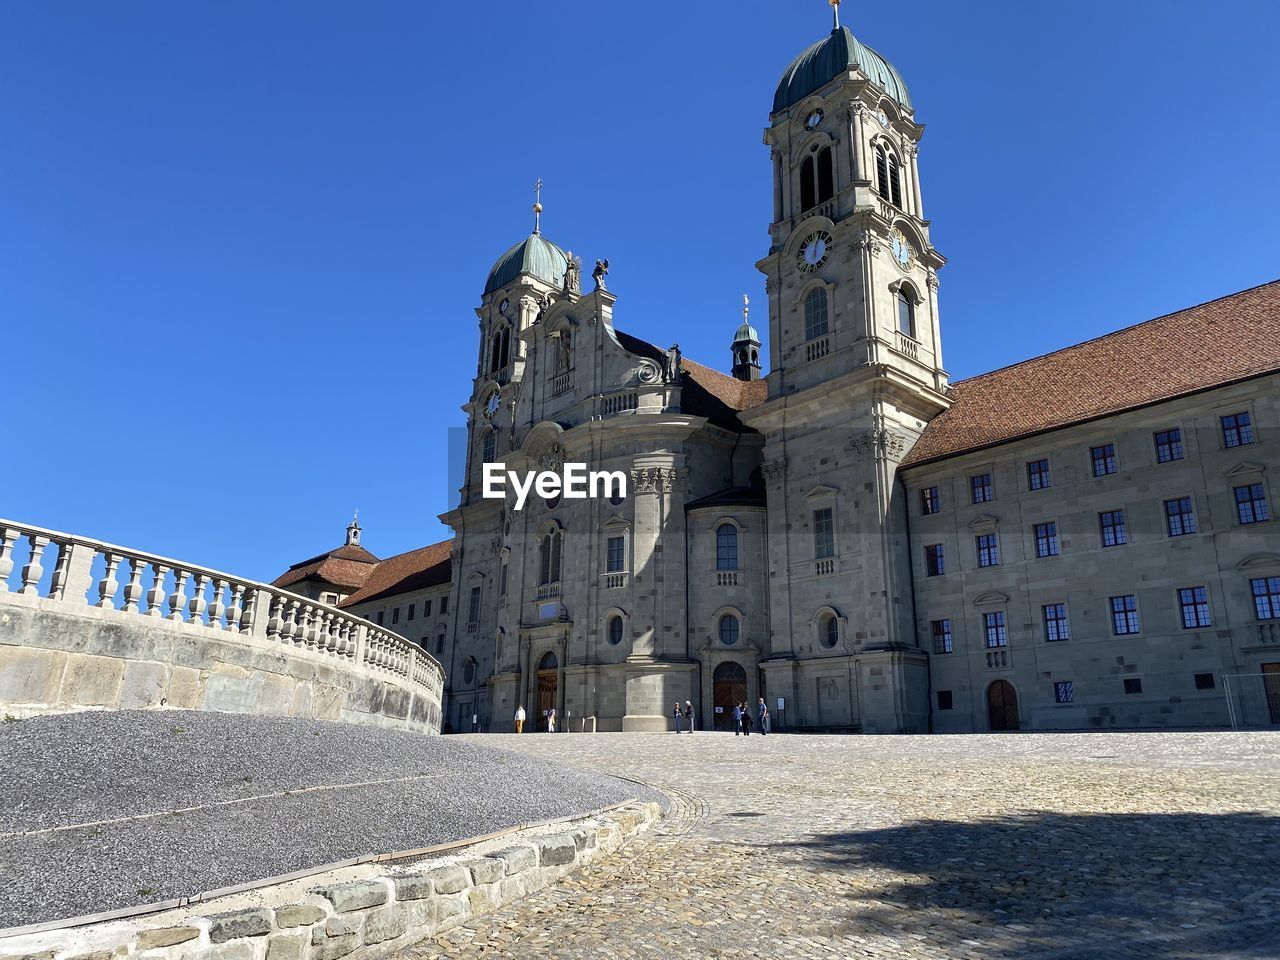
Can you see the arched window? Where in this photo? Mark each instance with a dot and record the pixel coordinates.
(469, 671)
(548, 661)
(815, 314)
(490, 445)
(549, 548)
(729, 628)
(829, 630)
(615, 630)
(506, 347)
(808, 184)
(726, 547)
(564, 353)
(888, 181)
(495, 358)
(906, 313)
(826, 176)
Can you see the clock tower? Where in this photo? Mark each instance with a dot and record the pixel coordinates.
(855, 374)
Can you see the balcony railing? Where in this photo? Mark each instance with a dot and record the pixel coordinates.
(562, 384)
(726, 578)
(824, 567)
(907, 346)
(619, 403)
(816, 349)
(548, 591)
(997, 659)
(615, 581)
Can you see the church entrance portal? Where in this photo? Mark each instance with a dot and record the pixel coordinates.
(730, 687)
(548, 678)
(1002, 706)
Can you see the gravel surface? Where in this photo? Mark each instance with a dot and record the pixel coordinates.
(211, 800)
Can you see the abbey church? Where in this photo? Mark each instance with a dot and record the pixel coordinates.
(1085, 540)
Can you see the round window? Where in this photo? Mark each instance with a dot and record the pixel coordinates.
(615, 631)
(729, 628)
(830, 632)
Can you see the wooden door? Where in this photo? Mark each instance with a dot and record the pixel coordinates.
(1002, 706)
(1271, 683)
(729, 687)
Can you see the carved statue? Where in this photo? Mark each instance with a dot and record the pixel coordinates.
(671, 364)
(572, 273)
(599, 273)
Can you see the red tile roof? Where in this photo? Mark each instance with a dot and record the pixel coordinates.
(418, 569)
(1206, 346)
(346, 566)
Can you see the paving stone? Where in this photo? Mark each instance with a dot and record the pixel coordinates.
(1115, 846)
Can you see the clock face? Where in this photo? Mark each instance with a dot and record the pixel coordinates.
(814, 252)
(883, 118)
(902, 251)
(503, 306)
(491, 405)
(811, 122)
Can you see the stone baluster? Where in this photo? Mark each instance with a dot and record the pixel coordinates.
(291, 629)
(275, 617)
(8, 537)
(236, 611)
(108, 585)
(218, 609)
(58, 582)
(254, 619)
(197, 605)
(330, 641)
(133, 589)
(32, 572)
(361, 641)
(178, 599)
(307, 635)
(155, 596)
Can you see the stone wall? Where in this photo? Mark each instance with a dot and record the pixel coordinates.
(362, 912)
(170, 636)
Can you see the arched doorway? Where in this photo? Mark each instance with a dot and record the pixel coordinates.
(548, 678)
(729, 685)
(1002, 706)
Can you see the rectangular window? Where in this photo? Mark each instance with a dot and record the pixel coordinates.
(1251, 503)
(1132, 685)
(1104, 459)
(444, 606)
(1266, 597)
(426, 608)
(1237, 430)
(1180, 516)
(930, 501)
(1169, 445)
(941, 636)
(981, 488)
(944, 700)
(1064, 692)
(440, 645)
(1038, 477)
(473, 612)
(1055, 622)
(1113, 529)
(815, 314)
(1204, 681)
(412, 610)
(614, 563)
(988, 550)
(824, 534)
(380, 615)
(502, 579)
(935, 561)
(1124, 615)
(1047, 539)
(994, 629)
(1194, 602)
(395, 615)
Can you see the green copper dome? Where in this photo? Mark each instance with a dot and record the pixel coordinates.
(533, 256)
(828, 59)
(746, 332)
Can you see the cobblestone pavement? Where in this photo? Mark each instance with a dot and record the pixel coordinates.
(1080, 846)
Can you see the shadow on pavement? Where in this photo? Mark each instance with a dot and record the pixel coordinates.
(1052, 885)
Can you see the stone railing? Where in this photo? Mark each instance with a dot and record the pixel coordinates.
(906, 345)
(562, 383)
(726, 578)
(85, 625)
(817, 349)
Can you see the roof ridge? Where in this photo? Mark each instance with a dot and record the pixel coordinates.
(1115, 333)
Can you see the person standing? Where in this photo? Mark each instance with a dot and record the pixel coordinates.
(737, 719)
(520, 718)
(746, 719)
(763, 717)
(551, 720)
(688, 713)
(678, 713)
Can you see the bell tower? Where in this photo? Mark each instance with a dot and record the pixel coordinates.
(746, 347)
(855, 373)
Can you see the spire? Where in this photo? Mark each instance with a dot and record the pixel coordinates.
(835, 14)
(746, 346)
(537, 207)
(353, 531)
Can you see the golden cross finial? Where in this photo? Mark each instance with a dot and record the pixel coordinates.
(537, 206)
(835, 13)
(746, 307)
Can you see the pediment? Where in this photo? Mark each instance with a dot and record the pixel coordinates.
(475, 576)
(1259, 560)
(621, 524)
(994, 598)
(820, 492)
(1247, 469)
(984, 522)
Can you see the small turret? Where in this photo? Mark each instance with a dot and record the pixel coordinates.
(746, 347)
(353, 531)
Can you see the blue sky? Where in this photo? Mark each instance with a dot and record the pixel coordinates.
(241, 243)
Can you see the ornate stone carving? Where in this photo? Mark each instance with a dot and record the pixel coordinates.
(880, 443)
(933, 279)
(867, 241)
(671, 364)
(658, 479)
(572, 273)
(552, 458)
(775, 470)
(600, 272)
(648, 372)
(768, 286)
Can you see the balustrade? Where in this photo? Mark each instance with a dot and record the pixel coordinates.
(824, 568)
(619, 403)
(997, 659)
(549, 591)
(907, 346)
(562, 384)
(726, 578)
(157, 588)
(615, 581)
(816, 349)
